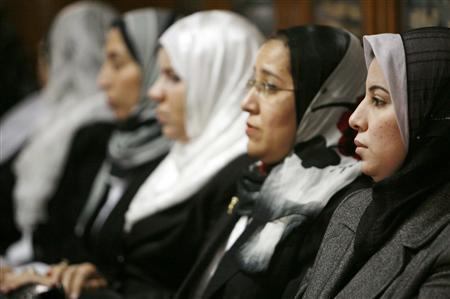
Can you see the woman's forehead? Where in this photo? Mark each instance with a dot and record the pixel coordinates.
(273, 58)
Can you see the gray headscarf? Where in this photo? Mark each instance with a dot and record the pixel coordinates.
(388, 49)
(76, 50)
(71, 98)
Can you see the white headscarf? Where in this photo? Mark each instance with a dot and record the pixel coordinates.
(295, 190)
(76, 52)
(388, 49)
(213, 52)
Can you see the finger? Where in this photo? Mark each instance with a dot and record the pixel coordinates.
(84, 272)
(67, 277)
(57, 271)
(95, 283)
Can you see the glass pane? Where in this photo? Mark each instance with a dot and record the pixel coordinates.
(260, 12)
(422, 13)
(339, 13)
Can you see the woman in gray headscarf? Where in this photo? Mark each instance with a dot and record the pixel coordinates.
(69, 100)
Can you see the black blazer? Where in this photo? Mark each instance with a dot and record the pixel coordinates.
(8, 230)
(54, 239)
(292, 257)
(152, 259)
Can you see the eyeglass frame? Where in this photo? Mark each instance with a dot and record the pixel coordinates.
(265, 88)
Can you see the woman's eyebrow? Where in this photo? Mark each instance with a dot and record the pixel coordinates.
(269, 73)
(373, 87)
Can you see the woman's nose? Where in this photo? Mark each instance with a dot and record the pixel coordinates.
(250, 102)
(102, 78)
(358, 119)
(155, 92)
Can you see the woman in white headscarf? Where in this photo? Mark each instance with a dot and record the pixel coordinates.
(205, 61)
(76, 39)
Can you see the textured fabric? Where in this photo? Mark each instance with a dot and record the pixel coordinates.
(413, 263)
(427, 52)
(76, 41)
(212, 52)
(300, 186)
(138, 139)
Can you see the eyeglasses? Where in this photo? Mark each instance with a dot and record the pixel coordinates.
(264, 88)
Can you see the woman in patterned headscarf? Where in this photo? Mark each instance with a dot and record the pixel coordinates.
(393, 240)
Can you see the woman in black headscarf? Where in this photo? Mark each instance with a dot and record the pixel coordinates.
(307, 81)
(393, 240)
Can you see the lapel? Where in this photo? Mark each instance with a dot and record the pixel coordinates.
(336, 249)
(385, 266)
(329, 266)
(229, 265)
(224, 227)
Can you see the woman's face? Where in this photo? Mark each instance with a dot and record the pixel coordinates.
(378, 141)
(271, 124)
(120, 76)
(169, 91)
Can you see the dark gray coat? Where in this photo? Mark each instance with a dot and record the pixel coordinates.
(414, 263)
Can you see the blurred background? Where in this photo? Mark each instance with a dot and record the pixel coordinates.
(24, 23)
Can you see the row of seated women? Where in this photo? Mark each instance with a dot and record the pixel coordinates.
(302, 166)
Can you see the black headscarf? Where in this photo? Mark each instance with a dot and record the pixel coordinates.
(315, 51)
(427, 165)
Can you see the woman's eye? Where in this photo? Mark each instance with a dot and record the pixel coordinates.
(172, 77)
(270, 87)
(377, 101)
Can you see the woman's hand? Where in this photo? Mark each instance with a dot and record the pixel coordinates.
(74, 278)
(11, 281)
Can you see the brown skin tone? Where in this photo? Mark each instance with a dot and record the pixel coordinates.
(378, 141)
(120, 76)
(169, 92)
(271, 124)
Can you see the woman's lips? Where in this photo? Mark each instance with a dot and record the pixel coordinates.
(359, 144)
(250, 130)
(160, 116)
(359, 147)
